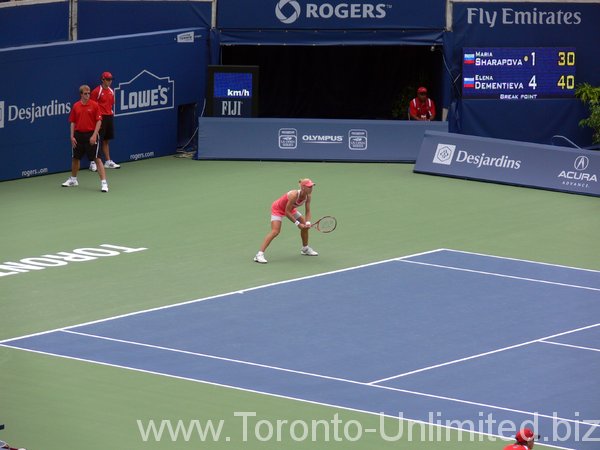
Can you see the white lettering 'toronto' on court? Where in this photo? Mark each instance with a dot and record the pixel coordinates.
(64, 258)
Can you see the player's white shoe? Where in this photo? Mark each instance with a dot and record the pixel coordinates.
(104, 186)
(110, 164)
(260, 258)
(93, 167)
(71, 182)
(308, 251)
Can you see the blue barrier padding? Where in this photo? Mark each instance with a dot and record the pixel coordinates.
(510, 162)
(112, 18)
(34, 24)
(311, 139)
(154, 74)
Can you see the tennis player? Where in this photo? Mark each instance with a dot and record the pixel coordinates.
(287, 206)
(525, 440)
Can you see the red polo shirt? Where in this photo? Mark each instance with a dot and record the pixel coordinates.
(422, 109)
(105, 98)
(85, 116)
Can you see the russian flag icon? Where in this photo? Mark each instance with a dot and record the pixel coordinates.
(469, 82)
(469, 58)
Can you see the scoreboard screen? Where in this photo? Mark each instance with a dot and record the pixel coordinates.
(519, 73)
(232, 91)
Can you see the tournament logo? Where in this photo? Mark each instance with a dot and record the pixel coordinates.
(293, 11)
(144, 93)
(444, 154)
(357, 139)
(288, 138)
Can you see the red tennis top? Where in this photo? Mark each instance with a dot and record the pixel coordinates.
(85, 116)
(105, 98)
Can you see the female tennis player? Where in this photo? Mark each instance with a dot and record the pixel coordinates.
(287, 206)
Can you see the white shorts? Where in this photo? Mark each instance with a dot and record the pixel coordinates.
(297, 215)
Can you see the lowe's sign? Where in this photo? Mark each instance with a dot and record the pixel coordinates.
(510, 162)
(331, 14)
(146, 92)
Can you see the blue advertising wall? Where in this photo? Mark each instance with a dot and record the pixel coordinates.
(154, 74)
(323, 22)
(330, 15)
(33, 24)
(312, 139)
(482, 24)
(118, 17)
(510, 162)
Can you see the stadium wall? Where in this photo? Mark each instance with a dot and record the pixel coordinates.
(155, 75)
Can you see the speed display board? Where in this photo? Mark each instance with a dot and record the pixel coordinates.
(523, 73)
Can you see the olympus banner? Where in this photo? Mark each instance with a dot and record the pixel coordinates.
(510, 162)
(331, 15)
(311, 139)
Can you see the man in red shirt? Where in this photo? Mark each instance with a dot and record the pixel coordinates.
(422, 107)
(525, 440)
(85, 119)
(105, 96)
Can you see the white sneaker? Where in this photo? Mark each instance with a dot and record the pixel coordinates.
(93, 167)
(260, 258)
(110, 164)
(104, 187)
(308, 251)
(71, 182)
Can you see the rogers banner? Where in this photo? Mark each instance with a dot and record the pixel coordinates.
(331, 15)
(510, 162)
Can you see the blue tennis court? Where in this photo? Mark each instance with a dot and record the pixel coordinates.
(444, 337)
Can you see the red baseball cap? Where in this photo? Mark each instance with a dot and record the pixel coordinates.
(525, 435)
(422, 90)
(106, 76)
(307, 182)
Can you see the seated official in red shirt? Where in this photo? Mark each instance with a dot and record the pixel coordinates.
(422, 107)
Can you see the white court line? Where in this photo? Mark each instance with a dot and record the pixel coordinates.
(514, 277)
(188, 302)
(482, 354)
(572, 346)
(520, 260)
(270, 394)
(309, 374)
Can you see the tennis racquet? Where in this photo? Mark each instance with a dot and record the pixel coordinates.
(325, 224)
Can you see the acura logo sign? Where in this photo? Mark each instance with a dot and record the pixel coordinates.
(581, 162)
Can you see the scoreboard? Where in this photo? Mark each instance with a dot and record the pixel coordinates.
(523, 73)
(232, 91)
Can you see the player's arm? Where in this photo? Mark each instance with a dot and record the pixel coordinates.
(73, 140)
(289, 206)
(307, 210)
(432, 111)
(413, 111)
(94, 137)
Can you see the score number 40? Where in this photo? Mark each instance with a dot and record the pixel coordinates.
(564, 59)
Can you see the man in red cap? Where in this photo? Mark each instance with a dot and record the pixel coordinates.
(105, 97)
(525, 440)
(422, 107)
